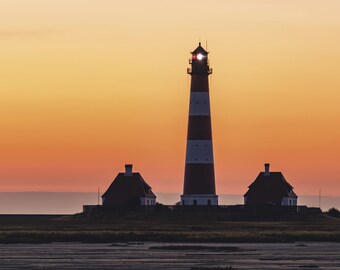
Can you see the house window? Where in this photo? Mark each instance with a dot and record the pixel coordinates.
(183, 202)
(195, 202)
(209, 202)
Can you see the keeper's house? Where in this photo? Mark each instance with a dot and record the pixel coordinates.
(270, 188)
(128, 189)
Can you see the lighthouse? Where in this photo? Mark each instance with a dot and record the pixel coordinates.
(199, 176)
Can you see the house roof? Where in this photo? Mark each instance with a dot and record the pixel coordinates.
(270, 188)
(125, 187)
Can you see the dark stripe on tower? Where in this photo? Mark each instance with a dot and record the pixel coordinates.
(199, 128)
(199, 179)
(199, 83)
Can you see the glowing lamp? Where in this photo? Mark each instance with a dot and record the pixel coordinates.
(197, 56)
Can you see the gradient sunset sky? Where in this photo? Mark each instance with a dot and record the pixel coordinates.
(87, 86)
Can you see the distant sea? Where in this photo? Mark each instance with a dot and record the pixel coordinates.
(72, 202)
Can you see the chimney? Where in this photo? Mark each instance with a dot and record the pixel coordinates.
(128, 170)
(266, 169)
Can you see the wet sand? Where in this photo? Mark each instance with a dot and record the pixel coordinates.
(151, 255)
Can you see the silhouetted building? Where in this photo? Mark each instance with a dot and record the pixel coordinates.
(199, 176)
(270, 188)
(129, 189)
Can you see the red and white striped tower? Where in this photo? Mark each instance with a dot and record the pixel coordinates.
(199, 177)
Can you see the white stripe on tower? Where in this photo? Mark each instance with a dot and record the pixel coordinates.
(199, 104)
(199, 152)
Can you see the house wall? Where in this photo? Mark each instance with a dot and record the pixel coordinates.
(143, 201)
(147, 201)
(287, 201)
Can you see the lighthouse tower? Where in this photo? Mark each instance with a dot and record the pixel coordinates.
(199, 176)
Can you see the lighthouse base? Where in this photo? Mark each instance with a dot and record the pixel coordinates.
(199, 199)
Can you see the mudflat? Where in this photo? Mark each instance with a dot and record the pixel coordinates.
(157, 255)
(192, 241)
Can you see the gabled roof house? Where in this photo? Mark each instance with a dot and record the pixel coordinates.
(270, 188)
(128, 189)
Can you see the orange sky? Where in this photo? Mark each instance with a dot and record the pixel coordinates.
(87, 86)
